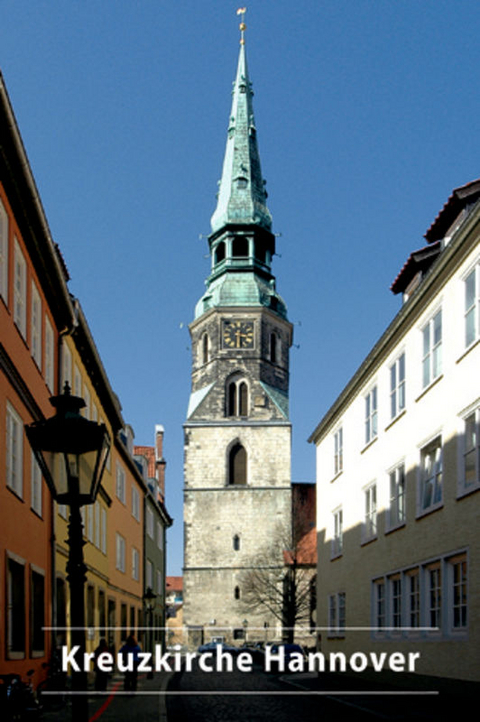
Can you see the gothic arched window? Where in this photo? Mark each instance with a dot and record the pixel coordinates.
(237, 465)
(237, 397)
(236, 543)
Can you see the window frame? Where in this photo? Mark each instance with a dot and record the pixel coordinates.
(432, 349)
(14, 451)
(466, 449)
(397, 509)
(4, 252)
(371, 414)
(398, 385)
(120, 483)
(433, 477)
(336, 614)
(338, 451)
(120, 552)
(337, 533)
(472, 309)
(36, 318)
(370, 518)
(20, 289)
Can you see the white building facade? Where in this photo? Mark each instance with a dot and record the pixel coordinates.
(398, 468)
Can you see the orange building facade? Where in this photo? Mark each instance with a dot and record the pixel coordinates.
(45, 342)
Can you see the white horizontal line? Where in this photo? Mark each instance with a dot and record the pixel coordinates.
(334, 630)
(203, 692)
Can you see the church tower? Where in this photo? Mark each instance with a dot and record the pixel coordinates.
(237, 433)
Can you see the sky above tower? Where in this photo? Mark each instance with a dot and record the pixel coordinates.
(366, 114)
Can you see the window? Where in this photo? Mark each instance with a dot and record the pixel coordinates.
(20, 290)
(273, 348)
(379, 602)
(337, 538)
(136, 564)
(240, 248)
(470, 477)
(431, 475)
(66, 366)
(3, 253)
(49, 354)
(159, 583)
(120, 550)
(205, 348)
(336, 614)
(220, 252)
(338, 451)
(430, 597)
(396, 511)
(434, 600)
(77, 381)
(103, 530)
(160, 536)
(371, 415)
(36, 326)
(14, 451)
(472, 302)
(458, 585)
(236, 593)
(397, 386)
(90, 523)
(370, 521)
(237, 398)
(236, 543)
(86, 397)
(396, 600)
(413, 591)
(15, 617)
(237, 465)
(120, 484)
(35, 486)
(150, 523)
(432, 349)
(149, 574)
(90, 606)
(97, 524)
(135, 503)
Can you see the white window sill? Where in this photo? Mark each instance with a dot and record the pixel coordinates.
(427, 388)
(395, 419)
(467, 350)
(369, 444)
(425, 512)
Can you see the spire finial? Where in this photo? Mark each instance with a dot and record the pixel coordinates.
(242, 26)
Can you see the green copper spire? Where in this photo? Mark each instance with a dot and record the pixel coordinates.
(241, 244)
(242, 196)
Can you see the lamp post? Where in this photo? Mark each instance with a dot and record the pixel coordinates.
(149, 598)
(245, 627)
(71, 452)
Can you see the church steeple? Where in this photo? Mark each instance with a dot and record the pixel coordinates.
(241, 243)
(242, 197)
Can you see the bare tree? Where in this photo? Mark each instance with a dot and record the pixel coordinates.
(279, 579)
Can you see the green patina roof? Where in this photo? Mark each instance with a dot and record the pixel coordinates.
(241, 289)
(242, 196)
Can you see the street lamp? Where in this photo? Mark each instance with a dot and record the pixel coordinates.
(245, 627)
(71, 452)
(149, 598)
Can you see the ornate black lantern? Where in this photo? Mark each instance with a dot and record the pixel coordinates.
(71, 450)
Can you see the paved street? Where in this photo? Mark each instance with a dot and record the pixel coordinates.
(259, 697)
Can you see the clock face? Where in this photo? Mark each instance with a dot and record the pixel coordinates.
(237, 334)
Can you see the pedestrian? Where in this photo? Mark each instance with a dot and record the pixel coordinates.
(101, 677)
(130, 652)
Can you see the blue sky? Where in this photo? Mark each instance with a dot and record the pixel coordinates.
(367, 113)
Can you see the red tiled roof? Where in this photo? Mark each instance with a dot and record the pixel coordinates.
(419, 260)
(456, 202)
(174, 584)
